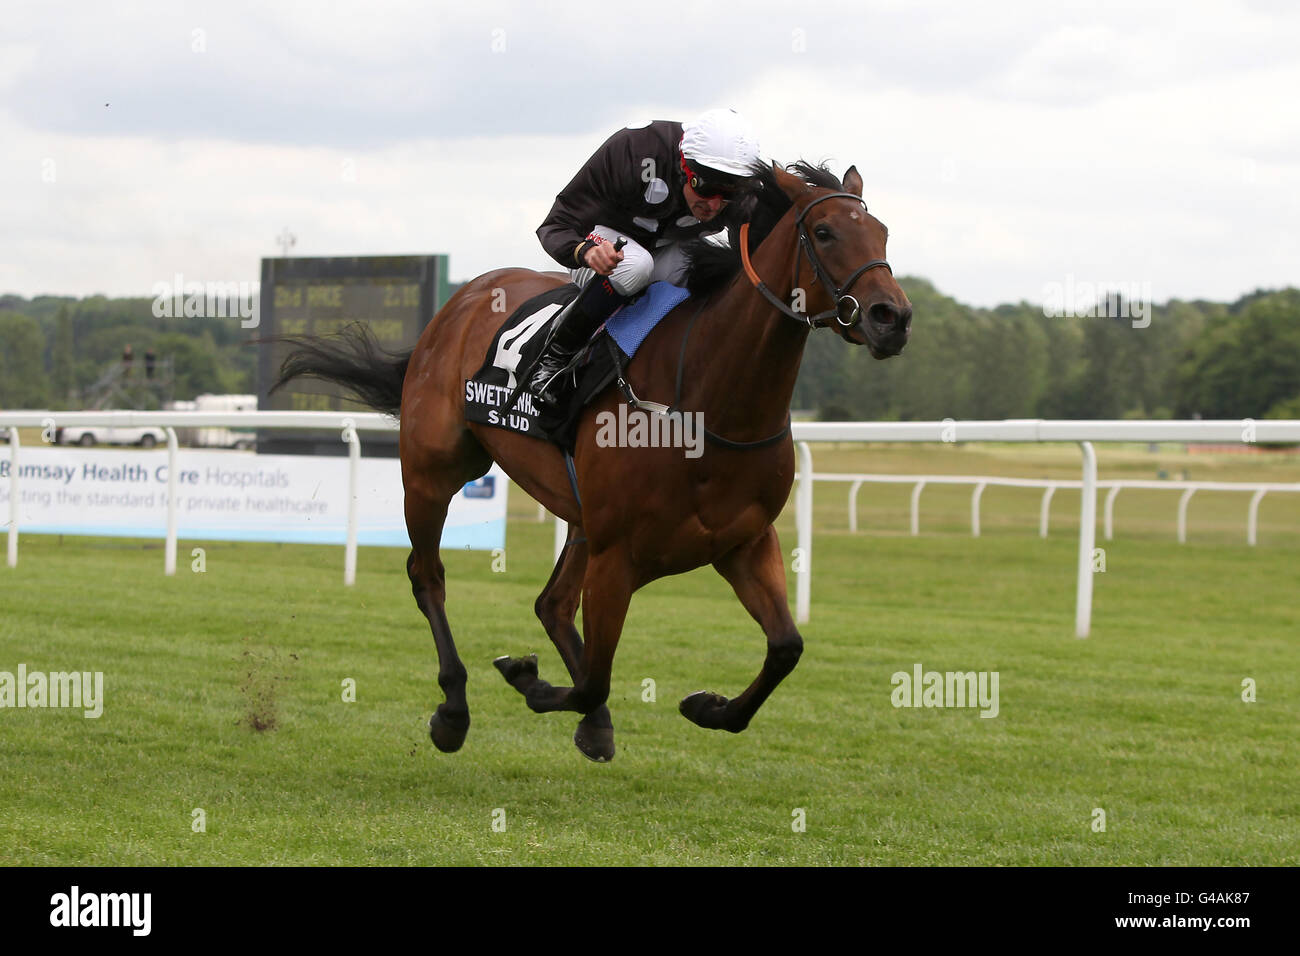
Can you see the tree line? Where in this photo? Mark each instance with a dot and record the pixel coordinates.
(55, 349)
(1193, 359)
(1213, 360)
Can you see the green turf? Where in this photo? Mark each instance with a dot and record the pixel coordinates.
(1144, 719)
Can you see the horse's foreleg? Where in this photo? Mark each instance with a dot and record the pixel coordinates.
(757, 573)
(606, 591)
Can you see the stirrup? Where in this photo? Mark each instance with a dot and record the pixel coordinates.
(547, 384)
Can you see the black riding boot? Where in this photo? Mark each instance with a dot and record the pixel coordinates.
(572, 327)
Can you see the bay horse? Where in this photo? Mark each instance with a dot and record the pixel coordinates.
(732, 352)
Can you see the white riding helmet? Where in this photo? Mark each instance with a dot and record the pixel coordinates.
(722, 140)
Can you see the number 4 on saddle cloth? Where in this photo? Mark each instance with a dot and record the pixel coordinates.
(519, 342)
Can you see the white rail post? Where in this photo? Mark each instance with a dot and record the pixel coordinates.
(1087, 540)
(975, 509)
(1044, 510)
(561, 536)
(853, 506)
(13, 496)
(354, 474)
(1252, 520)
(169, 551)
(803, 528)
(1182, 514)
(541, 512)
(916, 508)
(1110, 511)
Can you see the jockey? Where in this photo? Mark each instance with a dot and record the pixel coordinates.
(654, 187)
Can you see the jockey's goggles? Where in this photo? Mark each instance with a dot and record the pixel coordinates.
(709, 183)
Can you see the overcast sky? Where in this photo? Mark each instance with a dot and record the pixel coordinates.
(1006, 146)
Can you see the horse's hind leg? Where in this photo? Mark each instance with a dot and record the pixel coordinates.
(757, 573)
(607, 586)
(424, 521)
(556, 608)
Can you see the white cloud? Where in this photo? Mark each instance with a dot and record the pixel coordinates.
(1155, 143)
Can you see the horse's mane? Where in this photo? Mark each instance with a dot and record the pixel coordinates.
(711, 266)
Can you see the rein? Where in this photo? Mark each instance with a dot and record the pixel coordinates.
(708, 435)
(634, 402)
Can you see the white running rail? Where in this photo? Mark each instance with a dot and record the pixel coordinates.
(1050, 485)
(947, 431)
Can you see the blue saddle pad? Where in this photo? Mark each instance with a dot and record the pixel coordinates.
(629, 326)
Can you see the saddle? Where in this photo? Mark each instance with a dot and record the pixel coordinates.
(519, 342)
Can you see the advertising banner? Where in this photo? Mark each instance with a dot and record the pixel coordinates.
(231, 496)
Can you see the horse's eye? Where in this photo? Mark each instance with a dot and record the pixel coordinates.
(823, 234)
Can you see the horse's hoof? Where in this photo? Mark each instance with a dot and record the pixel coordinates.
(448, 733)
(596, 743)
(512, 668)
(705, 709)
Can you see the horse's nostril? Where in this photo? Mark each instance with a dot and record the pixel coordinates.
(887, 316)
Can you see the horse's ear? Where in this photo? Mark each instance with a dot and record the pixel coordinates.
(853, 182)
(794, 187)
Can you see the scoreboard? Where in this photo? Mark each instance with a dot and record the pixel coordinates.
(395, 296)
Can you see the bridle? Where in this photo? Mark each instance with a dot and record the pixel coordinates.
(840, 294)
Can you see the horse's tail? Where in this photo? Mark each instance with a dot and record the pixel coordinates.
(352, 358)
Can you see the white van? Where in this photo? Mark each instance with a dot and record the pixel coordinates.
(146, 436)
(242, 438)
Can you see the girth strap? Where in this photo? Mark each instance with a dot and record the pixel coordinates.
(573, 477)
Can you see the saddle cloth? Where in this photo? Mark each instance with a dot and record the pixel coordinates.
(519, 342)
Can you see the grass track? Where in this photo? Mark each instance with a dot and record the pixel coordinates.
(1144, 720)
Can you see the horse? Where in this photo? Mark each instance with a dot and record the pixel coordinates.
(731, 351)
